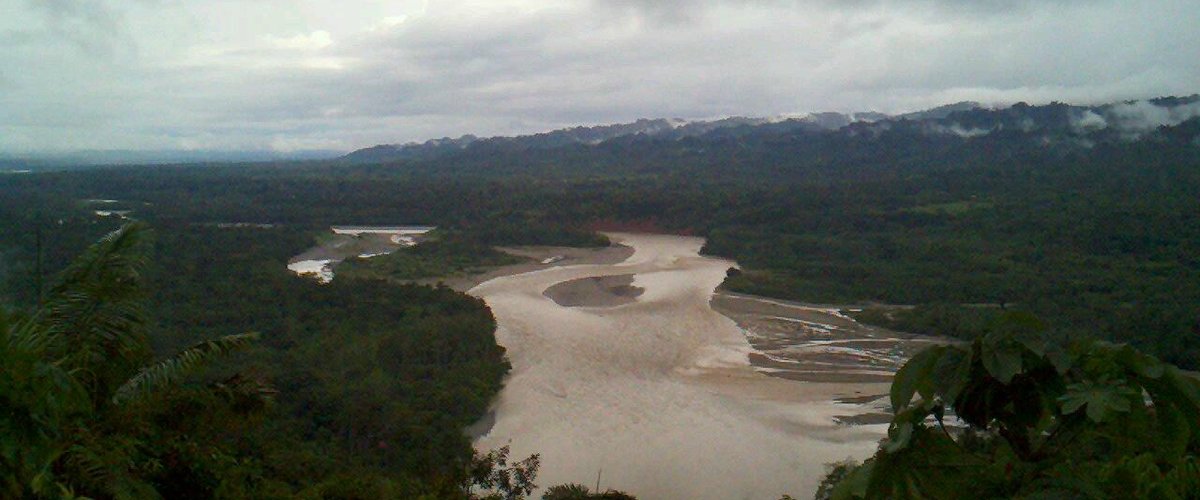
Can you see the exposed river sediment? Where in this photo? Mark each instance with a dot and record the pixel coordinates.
(658, 392)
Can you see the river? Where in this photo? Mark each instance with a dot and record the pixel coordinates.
(657, 395)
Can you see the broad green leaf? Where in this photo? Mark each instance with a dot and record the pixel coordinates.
(1101, 400)
(1060, 358)
(913, 375)
(1002, 361)
(951, 374)
(1036, 345)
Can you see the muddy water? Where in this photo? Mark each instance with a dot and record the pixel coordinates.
(658, 394)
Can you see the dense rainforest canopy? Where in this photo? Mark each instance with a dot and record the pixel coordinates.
(352, 390)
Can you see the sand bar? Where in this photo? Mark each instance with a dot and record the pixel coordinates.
(595, 291)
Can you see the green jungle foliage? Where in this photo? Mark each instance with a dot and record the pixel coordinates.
(85, 401)
(358, 389)
(1102, 241)
(1092, 421)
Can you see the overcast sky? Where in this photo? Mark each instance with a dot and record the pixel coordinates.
(287, 75)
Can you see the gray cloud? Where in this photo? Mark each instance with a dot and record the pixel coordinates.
(293, 74)
(690, 10)
(1140, 116)
(93, 27)
(17, 38)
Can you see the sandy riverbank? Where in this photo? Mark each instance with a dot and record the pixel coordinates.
(659, 391)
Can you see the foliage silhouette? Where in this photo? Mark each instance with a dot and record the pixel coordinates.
(1092, 420)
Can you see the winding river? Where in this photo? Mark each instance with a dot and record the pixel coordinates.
(657, 396)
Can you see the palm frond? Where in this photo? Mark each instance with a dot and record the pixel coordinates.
(26, 335)
(109, 271)
(119, 254)
(39, 399)
(93, 316)
(169, 371)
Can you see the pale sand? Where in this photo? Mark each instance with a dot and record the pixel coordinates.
(659, 392)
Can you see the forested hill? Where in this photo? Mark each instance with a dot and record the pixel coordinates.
(1053, 124)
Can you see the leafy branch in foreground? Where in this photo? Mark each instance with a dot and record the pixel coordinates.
(170, 371)
(492, 472)
(581, 492)
(1096, 420)
(66, 370)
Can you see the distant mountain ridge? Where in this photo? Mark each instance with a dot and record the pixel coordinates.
(1054, 123)
(660, 128)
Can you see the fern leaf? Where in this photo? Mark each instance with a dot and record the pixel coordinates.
(93, 315)
(169, 371)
